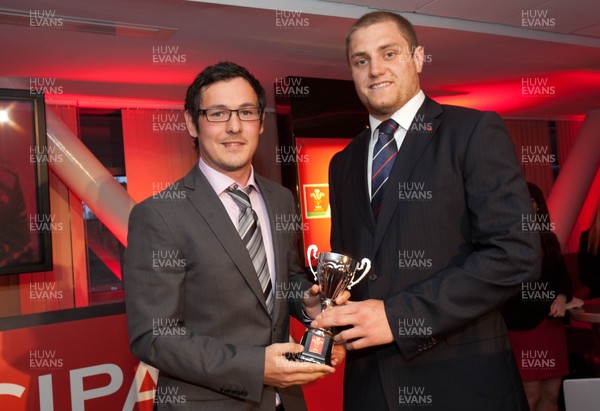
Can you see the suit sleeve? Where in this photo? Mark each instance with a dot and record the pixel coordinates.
(155, 308)
(503, 256)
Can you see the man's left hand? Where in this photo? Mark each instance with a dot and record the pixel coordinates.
(370, 324)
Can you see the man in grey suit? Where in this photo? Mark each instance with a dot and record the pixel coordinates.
(201, 293)
(435, 198)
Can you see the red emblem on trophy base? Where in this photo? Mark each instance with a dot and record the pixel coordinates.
(316, 344)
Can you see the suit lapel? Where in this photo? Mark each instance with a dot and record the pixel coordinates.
(270, 200)
(360, 174)
(205, 200)
(419, 135)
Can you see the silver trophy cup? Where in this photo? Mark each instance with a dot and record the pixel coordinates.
(335, 273)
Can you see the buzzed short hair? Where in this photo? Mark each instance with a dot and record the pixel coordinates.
(406, 28)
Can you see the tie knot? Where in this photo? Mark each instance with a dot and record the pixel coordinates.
(388, 127)
(240, 196)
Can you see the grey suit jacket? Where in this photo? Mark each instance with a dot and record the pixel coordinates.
(195, 307)
(448, 249)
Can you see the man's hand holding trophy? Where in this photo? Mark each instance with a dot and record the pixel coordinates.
(335, 274)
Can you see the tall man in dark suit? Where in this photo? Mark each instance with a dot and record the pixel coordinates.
(204, 263)
(442, 226)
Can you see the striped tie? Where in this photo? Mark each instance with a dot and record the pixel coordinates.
(384, 153)
(249, 229)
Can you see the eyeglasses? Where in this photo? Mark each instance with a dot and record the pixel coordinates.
(224, 114)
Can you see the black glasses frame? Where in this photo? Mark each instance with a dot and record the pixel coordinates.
(204, 111)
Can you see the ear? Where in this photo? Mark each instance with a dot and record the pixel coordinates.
(189, 122)
(419, 58)
(262, 123)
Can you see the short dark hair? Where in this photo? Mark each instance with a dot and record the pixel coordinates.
(213, 74)
(550, 244)
(406, 28)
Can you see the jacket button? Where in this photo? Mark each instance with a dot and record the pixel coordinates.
(372, 277)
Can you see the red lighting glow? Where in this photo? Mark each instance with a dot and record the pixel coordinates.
(530, 95)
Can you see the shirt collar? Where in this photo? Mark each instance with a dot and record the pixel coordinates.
(404, 116)
(221, 182)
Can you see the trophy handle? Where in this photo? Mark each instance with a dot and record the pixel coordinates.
(312, 253)
(364, 264)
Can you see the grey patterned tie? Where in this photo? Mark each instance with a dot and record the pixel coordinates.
(249, 229)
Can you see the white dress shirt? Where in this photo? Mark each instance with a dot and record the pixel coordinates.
(220, 183)
(404, 118)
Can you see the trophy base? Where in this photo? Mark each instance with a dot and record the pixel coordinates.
(317, 346)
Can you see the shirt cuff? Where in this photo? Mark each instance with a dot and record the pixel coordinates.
(305, 320)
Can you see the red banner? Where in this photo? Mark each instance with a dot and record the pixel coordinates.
(313, 176)
(75, 365)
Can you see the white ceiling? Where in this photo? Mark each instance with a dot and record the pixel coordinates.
(572, 17)
(478, 50)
